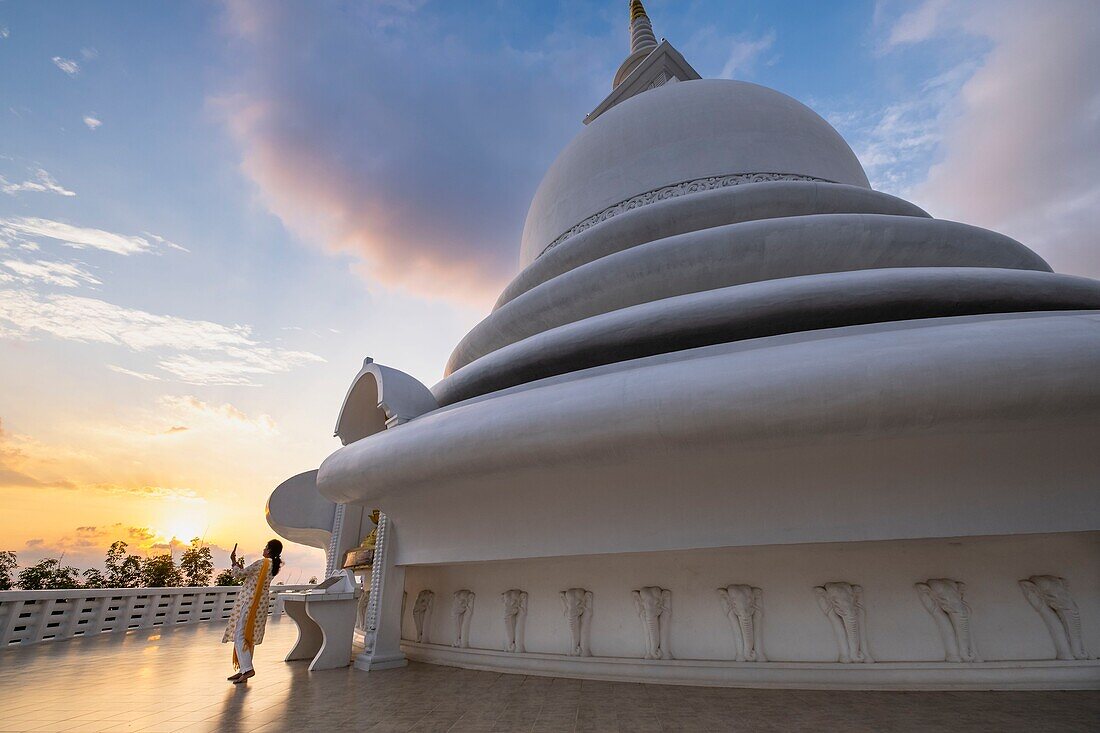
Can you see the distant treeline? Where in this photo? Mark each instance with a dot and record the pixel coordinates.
(121, 570)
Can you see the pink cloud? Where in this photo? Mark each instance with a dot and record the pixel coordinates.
(390, 139)
(1023, 149)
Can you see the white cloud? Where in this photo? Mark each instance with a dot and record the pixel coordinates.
(918, 24)
(69, 66)
(43, 182)
(92, 121)
(195, 351)
(1020, 148)
(89, 53)
(161, 240)
(744, 53)
(193, 411)
(82, 237)
(144, 376)
(63, 274)
(237, 371)
(4, 32)
(408, 215)
(895, 143)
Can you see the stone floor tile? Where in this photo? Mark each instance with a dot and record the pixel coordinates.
(172, 680)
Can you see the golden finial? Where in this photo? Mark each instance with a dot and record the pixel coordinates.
(641, 30)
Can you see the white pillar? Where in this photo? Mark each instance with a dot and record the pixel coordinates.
(334, 540)
(383, 633)
(347, 527)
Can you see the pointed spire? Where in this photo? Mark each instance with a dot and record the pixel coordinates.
(642, 41)
(648, 65)
(641, 30)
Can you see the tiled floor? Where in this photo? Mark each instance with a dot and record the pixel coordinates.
(174, 680)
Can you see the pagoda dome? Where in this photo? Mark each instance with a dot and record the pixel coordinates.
(678, 134)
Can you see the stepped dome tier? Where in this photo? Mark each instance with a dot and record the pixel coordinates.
(729, 363)
(710, 211)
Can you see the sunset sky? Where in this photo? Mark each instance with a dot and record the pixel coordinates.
(211, 212)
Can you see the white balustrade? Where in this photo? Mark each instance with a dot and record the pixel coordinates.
(31, 616)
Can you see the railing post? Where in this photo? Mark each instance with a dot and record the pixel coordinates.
(95, 624)
(152, 605)
(125, 612)
(219, 607)
(173, 610)
(43, 619)
(68, 627)
(13, 610)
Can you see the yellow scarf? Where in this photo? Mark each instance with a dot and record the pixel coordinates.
(250, 620)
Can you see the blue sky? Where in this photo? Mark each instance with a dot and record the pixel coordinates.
(263, 193)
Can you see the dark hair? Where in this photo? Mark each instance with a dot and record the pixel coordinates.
(276, 549)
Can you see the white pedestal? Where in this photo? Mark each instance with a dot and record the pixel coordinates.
(325, 622)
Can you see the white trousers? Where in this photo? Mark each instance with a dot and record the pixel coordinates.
(244, 656)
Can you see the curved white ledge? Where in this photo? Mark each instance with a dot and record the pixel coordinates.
(736, 254)
(887, 379)
(763, 309)
(703, 210)
(298, 512)
(1013, 675)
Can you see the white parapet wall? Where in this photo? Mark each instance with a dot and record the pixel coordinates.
(906, 620)
(33, 616)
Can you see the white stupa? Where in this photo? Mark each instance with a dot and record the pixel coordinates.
(739, 420)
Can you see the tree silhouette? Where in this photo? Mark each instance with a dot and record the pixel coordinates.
(94, 579)
(49, 574)
(160, 571)
(196, 564)
(8, 564)
(225, 577)
(123, 569)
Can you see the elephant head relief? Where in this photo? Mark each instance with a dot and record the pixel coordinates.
(943, 598)
(654, 606)
(842, 604)
(461, 613)
(577, 605)
(422, 609)
(515, 616)
(1050, 596)
(744, 606)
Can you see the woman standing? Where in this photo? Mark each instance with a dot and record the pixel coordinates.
(249, 618)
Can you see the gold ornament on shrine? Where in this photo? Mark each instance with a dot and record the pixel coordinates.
(362, 557)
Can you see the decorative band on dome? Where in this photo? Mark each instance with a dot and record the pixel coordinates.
(675, 191)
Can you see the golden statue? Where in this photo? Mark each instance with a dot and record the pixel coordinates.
(363, 555)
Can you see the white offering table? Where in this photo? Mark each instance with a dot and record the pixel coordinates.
(325, 616)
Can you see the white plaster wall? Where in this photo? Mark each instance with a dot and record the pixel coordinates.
(1005, 627)
(969, 426)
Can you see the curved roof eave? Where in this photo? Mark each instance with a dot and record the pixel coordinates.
(380, 397)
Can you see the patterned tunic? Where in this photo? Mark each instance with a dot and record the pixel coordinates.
(248, 591)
